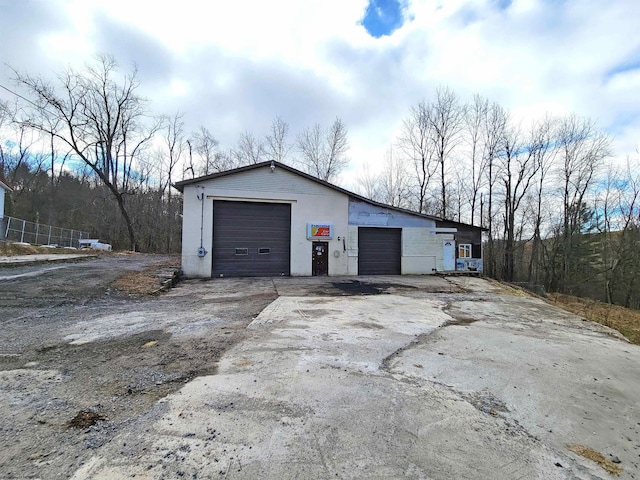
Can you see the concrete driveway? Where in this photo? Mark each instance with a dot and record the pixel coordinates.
(419, 377)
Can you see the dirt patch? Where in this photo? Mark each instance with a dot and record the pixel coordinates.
(102, 387)
(150, 280)
(624, 320)
(73, 283)
(597, 457)
(85, 419)
(82, 357)
(514, 289)
(460, 320)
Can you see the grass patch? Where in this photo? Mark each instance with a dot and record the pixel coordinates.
(624, 320)
(10, 249)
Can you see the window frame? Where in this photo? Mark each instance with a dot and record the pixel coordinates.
(465, 250)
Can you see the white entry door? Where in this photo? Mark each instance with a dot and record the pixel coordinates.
(449, 255)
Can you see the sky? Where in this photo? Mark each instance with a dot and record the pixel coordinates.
(233, 66)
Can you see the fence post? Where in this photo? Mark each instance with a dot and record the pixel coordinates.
(6, 233)
(24, 224)
(37, 232)
(49, 239)
(71, 238)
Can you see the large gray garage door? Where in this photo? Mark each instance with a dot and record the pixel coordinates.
(251, 239)
(379, 251)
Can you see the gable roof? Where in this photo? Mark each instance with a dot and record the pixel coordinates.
(180, 186)
(5, 185)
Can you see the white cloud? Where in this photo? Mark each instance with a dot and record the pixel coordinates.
(233, 66)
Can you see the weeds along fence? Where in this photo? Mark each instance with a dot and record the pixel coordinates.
(18, 230)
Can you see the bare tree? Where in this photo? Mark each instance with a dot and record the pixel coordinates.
(56, 161)
(205, 147)
(5, 113)
(368, 184)
(457, 192)
(10, 162)
(474, 180)
(627, 270)
(447, 121)
(394, 184)
(6, 117)
(276, 143)
(323, 153)
(542, 143)
(606, 201)
(518, 169)
(249, 150)
(612, 265)
(337, 148)
(101, 119)
(311, 145)
(582, 149)
(175, 145)
(19, 155)
(494, 125)
(416, 146)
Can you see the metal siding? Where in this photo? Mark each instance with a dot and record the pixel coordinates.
(251, 225)
(365, 214)
(379, 251)
(263, 180)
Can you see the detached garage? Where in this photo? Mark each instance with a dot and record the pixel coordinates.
(251, 239)
(270, 219)
(379, 251)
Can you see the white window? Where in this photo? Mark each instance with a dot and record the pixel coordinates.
(464, 250)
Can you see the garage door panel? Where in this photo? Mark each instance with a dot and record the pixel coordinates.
(251, 239)
(379, 251)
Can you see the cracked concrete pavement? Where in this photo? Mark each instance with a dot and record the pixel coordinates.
(433, 379)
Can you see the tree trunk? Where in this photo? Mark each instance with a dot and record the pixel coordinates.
(133, 240)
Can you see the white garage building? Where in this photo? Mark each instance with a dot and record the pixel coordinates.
(4, 187)
(270, 219)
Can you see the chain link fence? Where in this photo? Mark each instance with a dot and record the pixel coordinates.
(18, 230)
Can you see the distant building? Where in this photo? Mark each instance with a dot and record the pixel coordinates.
(4, 187)
(270, 219)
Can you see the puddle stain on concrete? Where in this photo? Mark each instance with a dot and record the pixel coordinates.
(356, 287)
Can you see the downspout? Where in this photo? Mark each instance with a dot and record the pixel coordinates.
(201, 251)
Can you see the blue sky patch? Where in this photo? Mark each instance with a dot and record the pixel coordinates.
(504, 4)
(382, 17)
(624, 68)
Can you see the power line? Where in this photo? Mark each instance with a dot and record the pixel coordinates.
(40, 107)
(18, 95)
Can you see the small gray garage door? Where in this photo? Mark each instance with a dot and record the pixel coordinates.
(379, 251)
(251, 239)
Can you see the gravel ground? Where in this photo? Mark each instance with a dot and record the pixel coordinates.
(80, 359)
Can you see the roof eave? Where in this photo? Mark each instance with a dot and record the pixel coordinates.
(180, 187)
(5, 185)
